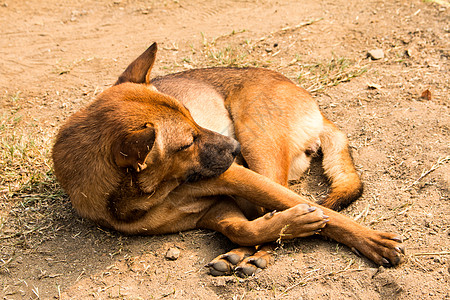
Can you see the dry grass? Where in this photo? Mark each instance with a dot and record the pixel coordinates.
(27, 185)
(318, 76)
(243, 52)
(24, 152)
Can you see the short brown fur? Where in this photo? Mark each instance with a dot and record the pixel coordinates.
(141, 160)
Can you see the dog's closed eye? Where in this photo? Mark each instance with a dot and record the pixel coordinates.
(195, 136)
(185, 147)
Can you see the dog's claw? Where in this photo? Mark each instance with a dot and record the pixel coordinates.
(356, 251)
(400, 250)
(398, 239)
(385, 263)
(247, 270)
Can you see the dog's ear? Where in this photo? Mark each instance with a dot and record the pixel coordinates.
(139, 70)
(133, 149)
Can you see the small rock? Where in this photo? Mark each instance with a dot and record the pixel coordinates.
(409, 52)
(375, 54)
(373, 86)
(268, 50)
(173, 253)
(379, 271)
(372, 271)
(427, 96)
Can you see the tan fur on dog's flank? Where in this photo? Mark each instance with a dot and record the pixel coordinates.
(160, 156)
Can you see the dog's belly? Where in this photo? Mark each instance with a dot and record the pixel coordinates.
(205, 104)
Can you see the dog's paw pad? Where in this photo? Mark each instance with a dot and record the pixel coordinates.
(233, 258)
(246, 270)
(220, 267)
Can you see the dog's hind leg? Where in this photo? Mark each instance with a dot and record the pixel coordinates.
(346, 185)
(277, 126)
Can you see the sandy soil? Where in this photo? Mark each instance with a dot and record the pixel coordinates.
(55, 57)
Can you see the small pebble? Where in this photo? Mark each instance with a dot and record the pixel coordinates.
(173, 253)
(375, 54)
(427, 96)
(374, 86)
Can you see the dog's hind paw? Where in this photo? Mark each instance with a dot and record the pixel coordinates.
(255, 263)
(224, 264)
(243, 261)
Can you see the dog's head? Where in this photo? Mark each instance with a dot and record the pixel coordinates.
(131, 127)
(156, 134)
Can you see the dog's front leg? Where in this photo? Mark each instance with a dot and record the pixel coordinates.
(242, 182)
(381, 247)
(226, 217)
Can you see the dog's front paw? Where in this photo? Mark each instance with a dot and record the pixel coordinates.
(385, 249)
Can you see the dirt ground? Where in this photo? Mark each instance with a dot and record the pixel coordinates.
(55, 56)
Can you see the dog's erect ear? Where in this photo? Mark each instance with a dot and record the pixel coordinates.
(133, 149)
(139, 70)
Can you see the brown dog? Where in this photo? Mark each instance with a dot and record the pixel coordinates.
(140, 160)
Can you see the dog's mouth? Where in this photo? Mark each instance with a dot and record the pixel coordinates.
(195, 176)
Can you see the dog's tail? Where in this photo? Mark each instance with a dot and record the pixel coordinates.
(346, 186)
